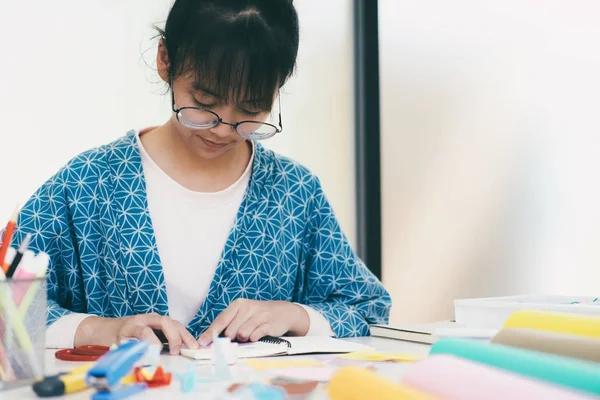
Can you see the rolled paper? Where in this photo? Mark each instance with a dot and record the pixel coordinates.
(555, 322)
(352, 383)
(451, 377)
(568, 372)
(560, 344)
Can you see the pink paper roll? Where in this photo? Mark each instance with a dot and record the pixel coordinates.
(454, 378)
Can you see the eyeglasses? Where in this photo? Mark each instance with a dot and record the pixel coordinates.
(201, 118)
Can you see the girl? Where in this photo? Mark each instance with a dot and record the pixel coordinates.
(193, 228)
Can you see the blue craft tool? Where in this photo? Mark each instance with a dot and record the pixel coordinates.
(110, 369)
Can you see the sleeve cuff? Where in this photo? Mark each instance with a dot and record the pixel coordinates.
(61, 333)
(319, 325)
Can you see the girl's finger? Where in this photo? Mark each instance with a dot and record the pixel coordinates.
(260, 332)
(218, 325)
(246, 329)
(134, 331)
(243, 315)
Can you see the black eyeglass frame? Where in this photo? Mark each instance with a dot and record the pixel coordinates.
(234, 126)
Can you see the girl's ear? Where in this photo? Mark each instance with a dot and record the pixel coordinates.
(162, 62)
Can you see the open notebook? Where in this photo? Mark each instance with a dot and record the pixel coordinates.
(271, 346)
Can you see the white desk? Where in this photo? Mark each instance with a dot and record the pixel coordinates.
(390, 371)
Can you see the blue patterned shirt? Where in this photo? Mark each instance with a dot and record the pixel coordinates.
(286, 244)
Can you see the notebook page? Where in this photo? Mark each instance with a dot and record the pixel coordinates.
(323, 344)
(244, 350)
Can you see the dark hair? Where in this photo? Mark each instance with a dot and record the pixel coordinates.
(241, 49)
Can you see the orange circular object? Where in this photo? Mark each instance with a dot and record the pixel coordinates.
(82, 353)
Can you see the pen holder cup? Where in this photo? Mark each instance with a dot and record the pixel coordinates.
(22, 330)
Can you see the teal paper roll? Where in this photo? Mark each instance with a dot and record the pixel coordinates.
(576, 374)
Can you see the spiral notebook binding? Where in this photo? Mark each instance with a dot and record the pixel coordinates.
(275, 340)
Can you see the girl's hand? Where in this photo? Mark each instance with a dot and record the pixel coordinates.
(107, 331)
(250, 320)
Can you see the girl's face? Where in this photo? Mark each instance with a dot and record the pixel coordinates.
(221, 139)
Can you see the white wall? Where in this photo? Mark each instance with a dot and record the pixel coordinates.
(490, 150)
(72, 77)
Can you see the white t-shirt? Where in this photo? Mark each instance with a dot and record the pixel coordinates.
(188, 249)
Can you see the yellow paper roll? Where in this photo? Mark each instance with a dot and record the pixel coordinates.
(554, 322)
(352, 383)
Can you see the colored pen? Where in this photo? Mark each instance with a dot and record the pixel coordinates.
(6, 371)
(8, 258)
(8, 233)
(22, 249)
(14, 321)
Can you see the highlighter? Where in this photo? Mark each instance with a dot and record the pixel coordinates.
(61, 384)
(69, 382)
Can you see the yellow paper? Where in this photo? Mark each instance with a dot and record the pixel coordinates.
(261, 365)
(381, 356)
(351, 383)
(555, 322)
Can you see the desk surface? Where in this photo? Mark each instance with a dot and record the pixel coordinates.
(391, 371)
